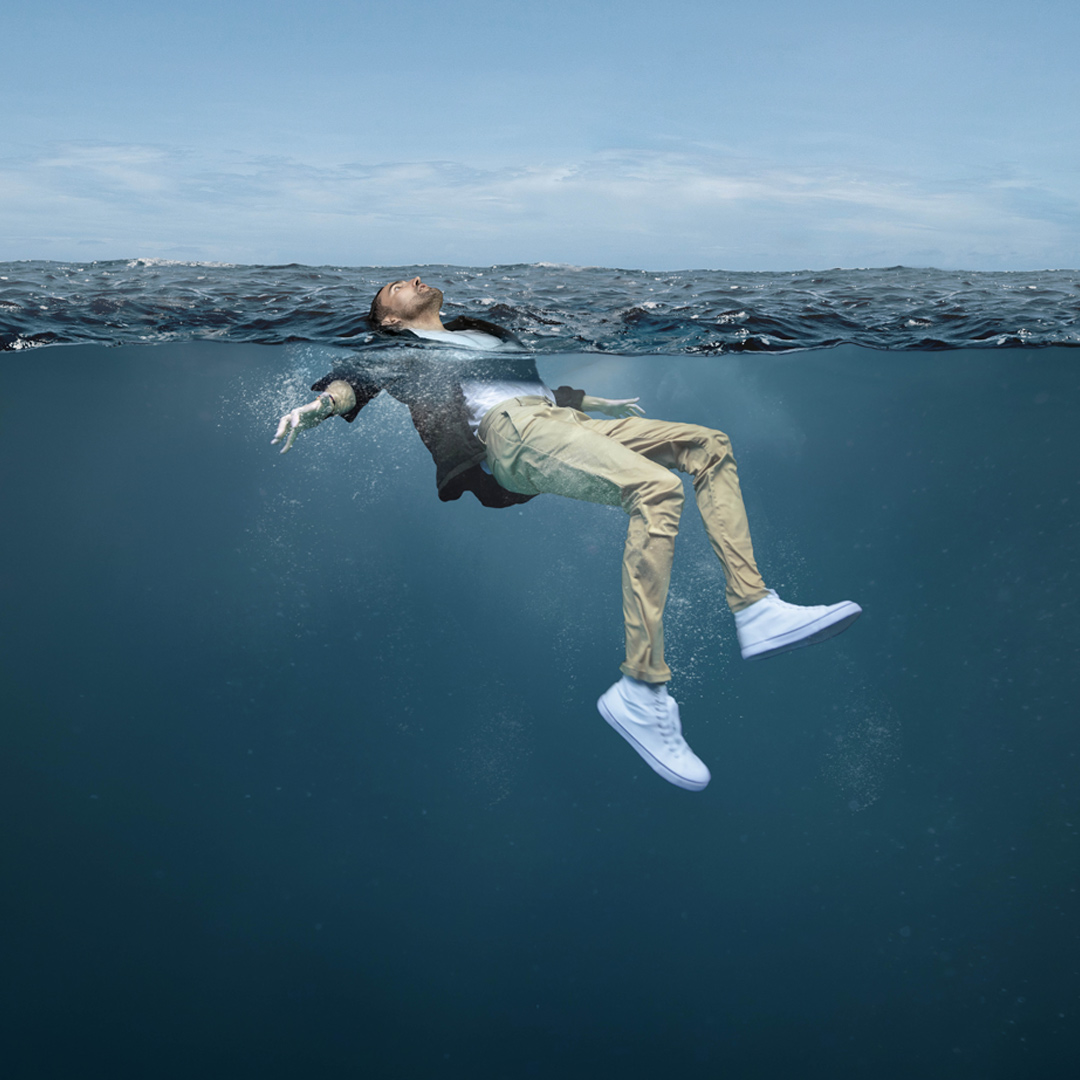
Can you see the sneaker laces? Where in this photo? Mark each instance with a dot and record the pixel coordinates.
(665, 714)
(670, 730)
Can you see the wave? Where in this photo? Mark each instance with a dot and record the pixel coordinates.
(552, 308)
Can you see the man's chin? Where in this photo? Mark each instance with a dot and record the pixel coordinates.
(431, 302)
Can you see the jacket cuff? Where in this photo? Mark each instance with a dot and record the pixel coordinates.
(566, 397)
(344, 396)
(349, 414)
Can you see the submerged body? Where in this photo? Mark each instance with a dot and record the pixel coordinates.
(495, 429)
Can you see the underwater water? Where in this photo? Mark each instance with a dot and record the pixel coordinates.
(303, 773)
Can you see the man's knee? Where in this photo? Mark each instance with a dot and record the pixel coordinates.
(714, 443)
(659, 490)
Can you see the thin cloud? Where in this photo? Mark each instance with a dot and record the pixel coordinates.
(634, 208)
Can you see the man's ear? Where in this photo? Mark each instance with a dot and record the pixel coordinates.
(391, 322)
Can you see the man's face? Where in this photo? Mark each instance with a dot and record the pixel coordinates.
(405, 302)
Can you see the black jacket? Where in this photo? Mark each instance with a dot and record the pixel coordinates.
(430, 386)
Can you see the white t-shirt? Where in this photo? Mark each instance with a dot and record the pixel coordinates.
(482, 395)
(464, 339)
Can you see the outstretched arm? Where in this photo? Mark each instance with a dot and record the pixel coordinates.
(337, 399)
(616, 407)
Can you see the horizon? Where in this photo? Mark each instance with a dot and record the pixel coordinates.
(153, 260)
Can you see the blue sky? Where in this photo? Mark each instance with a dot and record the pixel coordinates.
(679, 134)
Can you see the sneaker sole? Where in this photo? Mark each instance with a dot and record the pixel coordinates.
(654, 763)
(826, 627)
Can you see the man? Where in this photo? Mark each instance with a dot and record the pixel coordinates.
(494, 428)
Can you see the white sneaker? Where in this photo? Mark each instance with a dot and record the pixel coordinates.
(771, 626)
(648, 719)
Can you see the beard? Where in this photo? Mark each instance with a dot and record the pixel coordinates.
(428, 302)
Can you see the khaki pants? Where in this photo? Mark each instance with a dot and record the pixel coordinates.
(534, 447)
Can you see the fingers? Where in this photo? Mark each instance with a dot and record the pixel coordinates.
(289, 425)
(624, 407)
(283, 425)
(627, 407)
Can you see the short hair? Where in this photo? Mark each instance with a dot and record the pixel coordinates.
(378, 311)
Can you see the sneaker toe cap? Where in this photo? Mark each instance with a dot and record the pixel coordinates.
(695, 775)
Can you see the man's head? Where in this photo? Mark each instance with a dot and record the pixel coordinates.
(404, 305)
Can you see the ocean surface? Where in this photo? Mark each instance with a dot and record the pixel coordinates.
(552, 309)
(302, 773)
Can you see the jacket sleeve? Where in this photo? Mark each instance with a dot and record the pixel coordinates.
(484, 486)
(566, 397)
(363, 387)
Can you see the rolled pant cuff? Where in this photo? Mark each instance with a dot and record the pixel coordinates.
(743, 602)
(655, 676)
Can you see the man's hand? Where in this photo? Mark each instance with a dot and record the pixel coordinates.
(306, 416)
(615, 407)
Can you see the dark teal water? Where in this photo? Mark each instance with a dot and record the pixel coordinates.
(303, 774)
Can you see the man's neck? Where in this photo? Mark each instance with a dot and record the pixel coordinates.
(428, 321)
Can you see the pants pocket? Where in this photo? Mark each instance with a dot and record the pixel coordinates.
(504, 443)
